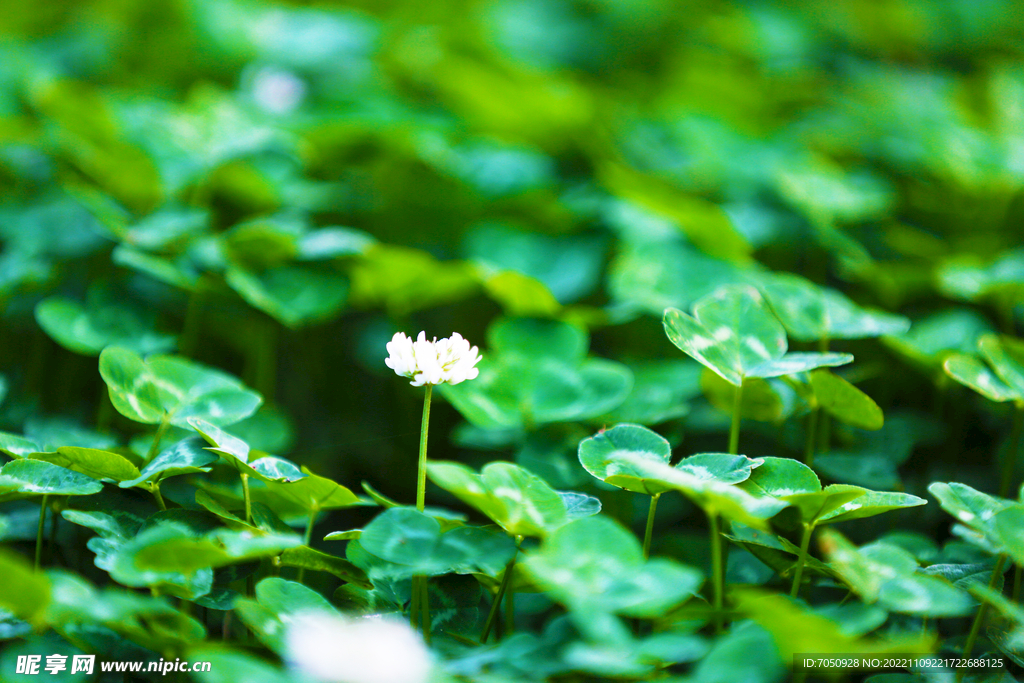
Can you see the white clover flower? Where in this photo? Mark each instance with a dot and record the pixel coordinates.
(337, 649)
(450, 360)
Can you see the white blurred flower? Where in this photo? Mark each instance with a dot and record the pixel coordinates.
(450, 360)
(278, 91)
(337, 649)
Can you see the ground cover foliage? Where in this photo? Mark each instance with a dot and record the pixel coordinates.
(745, 279)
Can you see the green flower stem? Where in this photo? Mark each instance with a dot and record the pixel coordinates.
(1010, 458)
(421, 482)
(997, 571)
(717, 573)
(734, 429)
(420, 599)
(414, 603)
(805, 541)
(39, 532)
(812, 432)
(248, 500)
(52, 542)
(506, 580)
(650, 525)
(308, 537)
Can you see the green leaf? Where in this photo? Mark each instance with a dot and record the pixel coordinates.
(27, 592)
(796, 630)
(521, 295)
(1008, 528)
(515, 499)
(796, 484)
(1005, 355)
(889, 575)
(185, 457)
(304, 496)
(714, 497)
(661, 391)
(404, 536)
(305, 557)
(92, 462)
(173, 389)
(604, 455)
(89, 331)
(722, 467)
(21, 478)
(969, 506)
(237, 454)
(294, 296)
(595, 564)
(845, 402)
(870, 504)
(971, 372)
(931, 339)
(733, 333)
(579, 505)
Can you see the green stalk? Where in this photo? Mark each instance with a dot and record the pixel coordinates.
(510, 610)
(997, 571)
(308, 537)
(734, 429)
(155, 490)
(425, 607)
(52, 543)
(650, 525)
(421, 482)
(493, 614)
(812, 429)
(39, 532)
(414, 603)
(804, 543)
(825, 420)
(248, 500)
(154, 450)
(1015, 596)
(420, 598)
(717, 575)
(1010, 458)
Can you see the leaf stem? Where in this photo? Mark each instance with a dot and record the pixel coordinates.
(734, 428)
(997, 571)
(812, 433)
(308, 537)
(154, 449)
(650, 525)
(425, 607)
(805, 542)
(155, 490)
(717, 576)
(248, 500)
(39, 532)
(506, 580)
(1010, 457)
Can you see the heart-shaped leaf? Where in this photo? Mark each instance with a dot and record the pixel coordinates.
(24, 478)
(971, 372)
(606, 455)
(173, 389)
(889, 575)
(733, 333)
(92, 462)
(517, 500)
(185, 457)
(90, 330)
(294, 296)
(237, 454)
(595, 564)
(870, 504)
(406, 537)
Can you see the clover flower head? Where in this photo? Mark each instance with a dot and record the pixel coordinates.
(338, 649)
(447, 361)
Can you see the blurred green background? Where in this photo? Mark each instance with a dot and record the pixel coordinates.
(276, 188)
